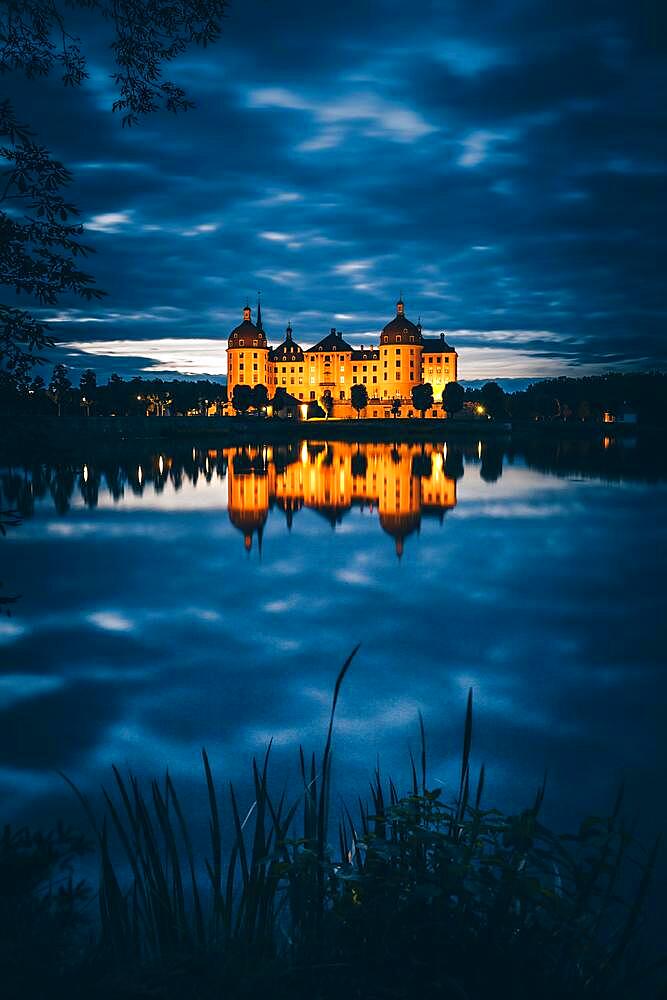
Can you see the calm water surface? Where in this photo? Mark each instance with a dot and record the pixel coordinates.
(200, 597)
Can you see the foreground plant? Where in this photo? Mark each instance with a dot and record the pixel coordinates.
(421, 897)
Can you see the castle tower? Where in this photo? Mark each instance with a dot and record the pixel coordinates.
(247, 354)
(400, 357)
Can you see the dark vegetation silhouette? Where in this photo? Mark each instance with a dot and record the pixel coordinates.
(414, 892)
(422, 397)
(259, 397)
(557, 401)
(359, 398)
(40, 235)
(327, 402)
(453, 398)
(242, 398)
(118, 397)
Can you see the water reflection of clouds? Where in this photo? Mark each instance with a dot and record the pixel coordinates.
(10, 631)
(156, 633)
(110, 621)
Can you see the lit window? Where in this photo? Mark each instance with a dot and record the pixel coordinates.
(312, 380)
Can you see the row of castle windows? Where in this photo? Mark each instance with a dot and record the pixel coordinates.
(327, 357)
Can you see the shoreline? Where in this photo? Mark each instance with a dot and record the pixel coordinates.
(64, 434)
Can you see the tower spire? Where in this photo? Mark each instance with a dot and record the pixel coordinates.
(258, 324)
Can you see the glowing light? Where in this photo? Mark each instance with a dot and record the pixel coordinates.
(437, 461)
(304, 453)
(140, 474)
(160, 464)
(479, 409)
(479, 449)
(85, 473)
(194, 454)
(304, 411)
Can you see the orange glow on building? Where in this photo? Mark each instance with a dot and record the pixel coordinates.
(403, 359)
(402, 482)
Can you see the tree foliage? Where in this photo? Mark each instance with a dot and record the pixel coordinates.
(422, 397)
(40, 247)
(242, 398)
(453, 396)
(59, 386)
(327, 402)
(359, 397)
(260, 397)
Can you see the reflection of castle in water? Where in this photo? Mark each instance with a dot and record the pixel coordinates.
(403, 482)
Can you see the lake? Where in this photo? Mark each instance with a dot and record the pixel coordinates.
(179, 596)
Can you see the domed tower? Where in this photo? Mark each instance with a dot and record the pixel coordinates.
(247, 354)
(399, 497)
(248, 490)
(400, 356)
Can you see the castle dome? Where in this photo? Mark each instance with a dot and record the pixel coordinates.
(248, 522)
(400, 327)
(246, 334)
(399, 526)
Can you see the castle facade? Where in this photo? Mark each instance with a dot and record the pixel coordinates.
(301, 376)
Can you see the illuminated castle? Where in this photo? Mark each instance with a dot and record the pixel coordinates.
(402, 483)
(404, 358)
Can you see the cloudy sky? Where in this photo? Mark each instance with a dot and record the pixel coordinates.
(503, 164)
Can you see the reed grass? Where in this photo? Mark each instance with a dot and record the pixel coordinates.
(419, 897)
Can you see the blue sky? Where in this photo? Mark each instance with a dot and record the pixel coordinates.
(503, 164)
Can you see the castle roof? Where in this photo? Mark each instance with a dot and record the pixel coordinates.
(248, 332)
(332, 342)
(289, 350)
(366, 354)
(282, 398)
(436, 345)
(401, 326)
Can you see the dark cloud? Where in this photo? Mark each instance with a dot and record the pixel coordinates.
(503, 164)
